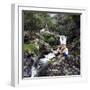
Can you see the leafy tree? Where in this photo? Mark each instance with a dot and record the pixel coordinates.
(36, 20)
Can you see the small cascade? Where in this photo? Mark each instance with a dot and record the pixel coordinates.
(33, 71)
(43, 61)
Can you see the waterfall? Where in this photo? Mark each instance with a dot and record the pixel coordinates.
(33, 71)
(47, 58)
(63, 39)
(44, 61)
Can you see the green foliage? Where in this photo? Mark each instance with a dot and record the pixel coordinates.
(31, 48)
(36, 20)
(40, 43)
(51, 39)
(61, 24)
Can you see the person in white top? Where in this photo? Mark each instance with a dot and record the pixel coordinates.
(62, 49)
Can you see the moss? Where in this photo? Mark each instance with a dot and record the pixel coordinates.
(31, 48)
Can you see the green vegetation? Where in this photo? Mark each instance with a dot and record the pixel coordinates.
(31, 48)
(49, 39)
(42, 32)
(60, 24)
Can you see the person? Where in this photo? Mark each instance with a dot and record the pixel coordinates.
(65, 51)
(62, 50)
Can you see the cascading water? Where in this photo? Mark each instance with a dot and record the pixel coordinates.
(33, 71)
(44, 61)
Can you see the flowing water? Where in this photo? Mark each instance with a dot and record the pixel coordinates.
(43, 61)
(47, 58)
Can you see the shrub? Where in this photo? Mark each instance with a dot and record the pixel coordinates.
(31, 48)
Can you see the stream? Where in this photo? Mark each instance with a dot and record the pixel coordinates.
(44, 65)
(43, 62)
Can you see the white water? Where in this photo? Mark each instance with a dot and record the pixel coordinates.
(48, 57)
(43, 61)
(63, 39)
(33, 71)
